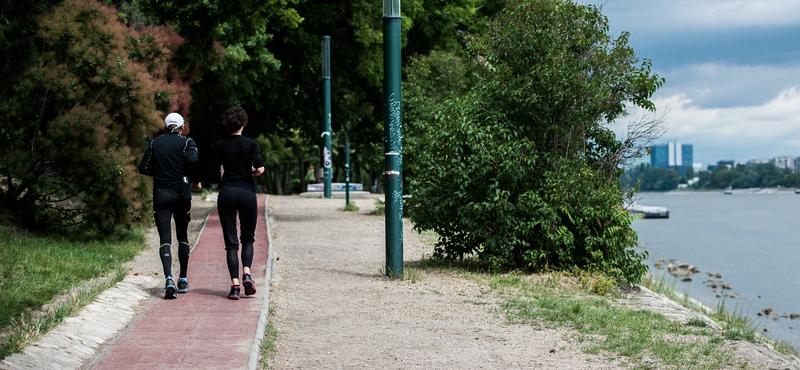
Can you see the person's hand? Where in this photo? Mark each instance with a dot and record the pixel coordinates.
(196, 186)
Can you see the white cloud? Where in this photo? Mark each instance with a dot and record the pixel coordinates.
(776, 119)
(715, 84)
(735, 14)
(706, 14)
(742, 132)
(732, 71)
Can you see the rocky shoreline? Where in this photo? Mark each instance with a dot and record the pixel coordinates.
(685, 272)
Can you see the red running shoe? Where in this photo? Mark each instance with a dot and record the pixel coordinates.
(234, 294)
(249, 285)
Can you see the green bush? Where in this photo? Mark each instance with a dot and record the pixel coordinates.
(75, 123)
(521, 170)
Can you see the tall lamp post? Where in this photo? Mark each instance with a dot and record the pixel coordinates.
(393, 138)
(326, 114)
(347, 165)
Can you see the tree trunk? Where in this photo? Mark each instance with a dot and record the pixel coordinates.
(355, 173)
(277, 180)
(302, 174)
(287, 184)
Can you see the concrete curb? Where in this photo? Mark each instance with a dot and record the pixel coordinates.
(255, 352)
(79, 340)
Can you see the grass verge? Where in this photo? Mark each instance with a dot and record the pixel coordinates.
(380, 208)
(44, 279)
(600, 324)
(269, 346)
(642, 339)
(350, 207)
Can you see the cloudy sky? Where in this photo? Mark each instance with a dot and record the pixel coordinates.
(732, 70)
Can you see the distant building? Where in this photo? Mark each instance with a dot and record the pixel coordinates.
(786, 163)
(725, 163)
(759, 161)
(672, 154)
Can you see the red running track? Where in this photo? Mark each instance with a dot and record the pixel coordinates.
(201, 329)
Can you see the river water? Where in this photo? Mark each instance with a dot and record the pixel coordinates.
(751, 240)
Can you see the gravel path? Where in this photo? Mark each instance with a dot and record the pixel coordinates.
(334, 309)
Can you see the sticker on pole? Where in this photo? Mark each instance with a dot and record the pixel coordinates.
(326, 158)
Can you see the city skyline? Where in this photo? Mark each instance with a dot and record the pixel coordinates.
(732, 71)
(681, 155)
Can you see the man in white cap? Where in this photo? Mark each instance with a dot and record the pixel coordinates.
(172, 160)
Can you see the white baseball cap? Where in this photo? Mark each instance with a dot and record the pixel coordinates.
(173, 119)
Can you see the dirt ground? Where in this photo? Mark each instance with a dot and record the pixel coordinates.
(334, 308)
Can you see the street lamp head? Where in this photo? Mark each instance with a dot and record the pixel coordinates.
(391, 8)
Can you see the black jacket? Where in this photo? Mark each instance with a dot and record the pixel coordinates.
(169, 158)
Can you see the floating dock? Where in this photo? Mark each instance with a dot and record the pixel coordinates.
(649, 211)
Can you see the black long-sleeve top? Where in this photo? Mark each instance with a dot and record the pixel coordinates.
(169, 158)
(238, 155)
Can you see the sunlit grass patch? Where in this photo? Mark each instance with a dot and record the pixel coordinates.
(34, 270)
(639, 336)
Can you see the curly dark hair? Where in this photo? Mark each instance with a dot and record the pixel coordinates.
(235, 118)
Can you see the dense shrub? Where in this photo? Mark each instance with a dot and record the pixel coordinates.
(73, 124)
(522, 170)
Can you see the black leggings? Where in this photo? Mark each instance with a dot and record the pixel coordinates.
(233, 200)
(167, 204)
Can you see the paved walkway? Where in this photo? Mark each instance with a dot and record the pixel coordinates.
(201, 329)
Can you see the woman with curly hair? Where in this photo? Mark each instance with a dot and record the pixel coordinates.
(240, 161)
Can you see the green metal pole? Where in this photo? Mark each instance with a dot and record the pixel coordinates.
(393, 138)
(347, 165)
(326, 114)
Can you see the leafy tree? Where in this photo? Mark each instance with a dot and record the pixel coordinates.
(652, 178)
(17, 31)
(228, 62)
(768, 175)
(662, 179)
(702, 179)
(275, 151)
(73, 122)
(522, 171)
(722, 178)
(750, 179)
(265, 56)
(432, 80)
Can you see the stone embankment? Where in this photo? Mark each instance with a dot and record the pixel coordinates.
(686, 273)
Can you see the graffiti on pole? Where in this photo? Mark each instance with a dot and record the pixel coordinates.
(395, 131)
(397, 201)
(326, 158)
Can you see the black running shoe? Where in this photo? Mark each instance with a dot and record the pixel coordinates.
(183, 285)
(234, 294)
(169, 290)
(249, 284)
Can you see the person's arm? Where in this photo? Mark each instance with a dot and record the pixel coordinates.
(192, 164)
(258, 163)
(145, 167)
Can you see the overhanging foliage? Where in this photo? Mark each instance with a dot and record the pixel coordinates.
(521, 171)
